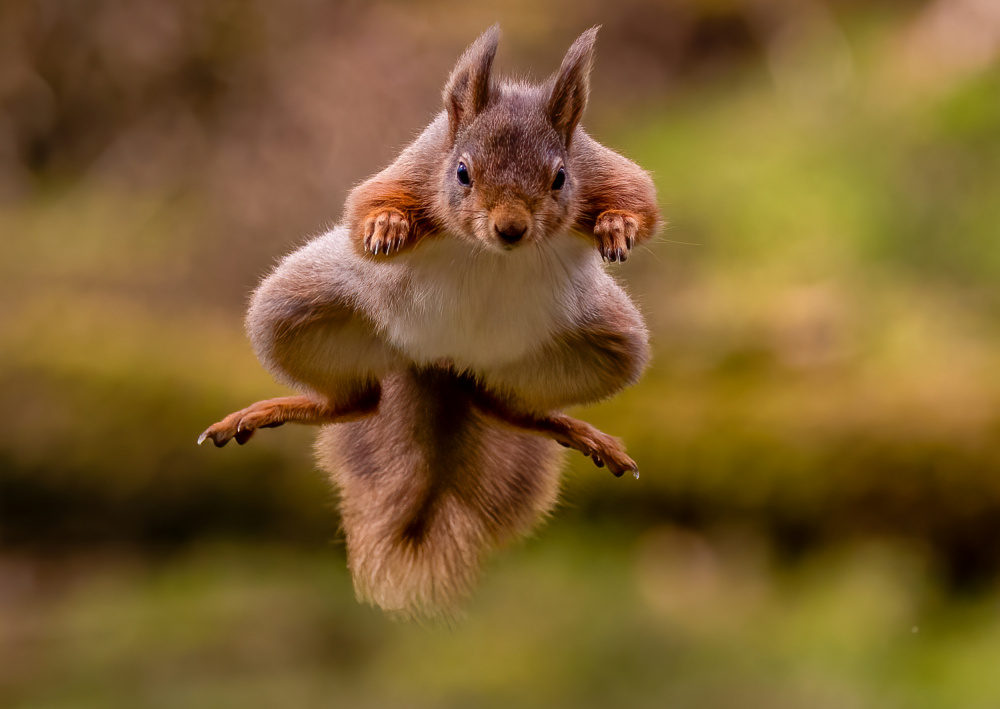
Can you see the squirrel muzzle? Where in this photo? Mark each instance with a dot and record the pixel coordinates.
(510, 225)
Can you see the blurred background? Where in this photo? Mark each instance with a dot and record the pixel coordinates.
(818, 519)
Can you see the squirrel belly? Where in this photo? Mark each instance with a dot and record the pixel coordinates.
(452, 300)
(544, 323)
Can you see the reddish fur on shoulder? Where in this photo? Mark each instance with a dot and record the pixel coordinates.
(615, 184)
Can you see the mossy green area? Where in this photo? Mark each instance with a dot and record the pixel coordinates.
(579, 618)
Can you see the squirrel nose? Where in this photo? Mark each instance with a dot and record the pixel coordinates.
(511, 230)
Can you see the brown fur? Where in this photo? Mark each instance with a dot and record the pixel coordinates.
(428, 487)
(468, 89)
(441, 449)
(590, 363)
(608, 197)
(614, 188)
(571, 86)
(271, 413)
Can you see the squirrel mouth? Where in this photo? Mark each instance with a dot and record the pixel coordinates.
(510, 230)
(510, 236)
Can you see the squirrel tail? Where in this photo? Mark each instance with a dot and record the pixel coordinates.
(428, 486)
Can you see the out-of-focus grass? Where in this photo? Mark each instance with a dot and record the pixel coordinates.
(583, 617)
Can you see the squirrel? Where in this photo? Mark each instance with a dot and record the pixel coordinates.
(444, 325)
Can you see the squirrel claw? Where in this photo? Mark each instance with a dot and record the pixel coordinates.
(213, 434)
(616, 232)
(604, 450)
(618, 463)
(386, 231)
(241, 425)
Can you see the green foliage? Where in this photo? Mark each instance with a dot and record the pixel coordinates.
(581, 618)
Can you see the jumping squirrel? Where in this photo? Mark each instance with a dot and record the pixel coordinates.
(440, 330)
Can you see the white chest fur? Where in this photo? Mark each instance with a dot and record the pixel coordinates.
(478, 308)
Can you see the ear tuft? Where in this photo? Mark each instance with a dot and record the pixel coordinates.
(571, 85)
(467, 92)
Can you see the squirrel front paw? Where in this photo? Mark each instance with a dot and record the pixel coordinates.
(386, 231)
(616, 231)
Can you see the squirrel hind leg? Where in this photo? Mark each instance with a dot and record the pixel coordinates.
(565, 430)
(271, 413)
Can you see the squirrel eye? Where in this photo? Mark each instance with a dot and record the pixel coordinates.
(463, 175)
(560, 179)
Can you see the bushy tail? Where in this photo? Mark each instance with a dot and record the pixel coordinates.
(428, 486)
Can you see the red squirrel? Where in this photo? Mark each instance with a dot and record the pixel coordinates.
(448, 320)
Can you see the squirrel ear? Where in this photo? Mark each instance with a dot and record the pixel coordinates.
(572, 85)
(468, 89)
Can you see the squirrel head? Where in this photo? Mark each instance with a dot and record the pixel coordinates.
(506, 179)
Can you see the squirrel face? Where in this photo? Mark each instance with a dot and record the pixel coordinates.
(505, 181)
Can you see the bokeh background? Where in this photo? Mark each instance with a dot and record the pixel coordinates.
(818, 519)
